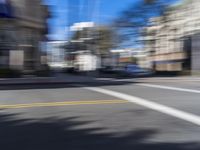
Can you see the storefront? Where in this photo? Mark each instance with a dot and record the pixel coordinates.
(8, 40)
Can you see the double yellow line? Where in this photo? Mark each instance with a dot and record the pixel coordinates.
(66, 103)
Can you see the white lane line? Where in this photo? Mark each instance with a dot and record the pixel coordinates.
(151, 105)
(170, 88)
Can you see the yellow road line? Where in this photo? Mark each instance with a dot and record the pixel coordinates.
(66, 103)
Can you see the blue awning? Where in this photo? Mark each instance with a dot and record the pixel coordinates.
(5, 9)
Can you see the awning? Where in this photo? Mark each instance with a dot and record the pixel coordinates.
(168, 61)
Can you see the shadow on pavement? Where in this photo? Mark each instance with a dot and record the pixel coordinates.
(52, 134)
(96, 83)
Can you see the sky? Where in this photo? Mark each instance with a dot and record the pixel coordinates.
(66, 12)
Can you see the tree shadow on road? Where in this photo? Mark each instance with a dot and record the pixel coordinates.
(60, 134)
(65, 85)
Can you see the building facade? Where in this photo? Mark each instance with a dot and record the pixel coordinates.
(22, 33)
(171, 40)
(124, 57)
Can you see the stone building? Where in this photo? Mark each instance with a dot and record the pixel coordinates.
(172, 39)
(23, 27)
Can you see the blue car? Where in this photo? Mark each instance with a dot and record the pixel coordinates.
(135, 70)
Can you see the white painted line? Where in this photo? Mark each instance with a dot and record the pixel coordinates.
(170, 88)
(151, 105)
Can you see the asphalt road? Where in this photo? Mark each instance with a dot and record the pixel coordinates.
(91, 117)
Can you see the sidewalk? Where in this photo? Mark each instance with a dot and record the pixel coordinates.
(177, 78)
(64, 79)
(81, 79)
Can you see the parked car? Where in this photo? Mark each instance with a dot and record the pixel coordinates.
(128, 71)
(135, 70)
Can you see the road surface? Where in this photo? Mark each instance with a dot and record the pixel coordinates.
(139, 114)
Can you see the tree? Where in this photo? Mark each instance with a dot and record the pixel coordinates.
(98, 39)
(105, 40)
(131, 22)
